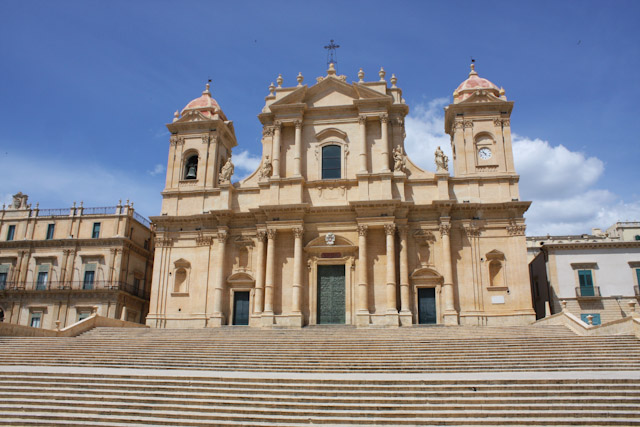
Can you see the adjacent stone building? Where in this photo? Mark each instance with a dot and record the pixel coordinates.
(338, 225)
(57, 266)
(594, 274)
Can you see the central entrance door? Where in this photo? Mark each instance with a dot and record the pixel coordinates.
(427, 306)
(331, 297)
(241, 308)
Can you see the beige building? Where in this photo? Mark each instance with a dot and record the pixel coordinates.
(60, 265)
(595, 274)
(337, 225)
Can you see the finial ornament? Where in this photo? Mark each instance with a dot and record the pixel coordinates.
(206, 91)
(272, 89)
(176, 116)
(394, 80)
(300, 79)
(332, 69)
(502, 92)
(279, 80)
(361, 76)
(473, 69)
(382, 73)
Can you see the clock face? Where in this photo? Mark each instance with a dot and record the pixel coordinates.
(484, 153)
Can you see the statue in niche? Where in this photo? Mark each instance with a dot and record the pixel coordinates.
(442, 161)
(267, 169)
(399, 159)
(226, 172)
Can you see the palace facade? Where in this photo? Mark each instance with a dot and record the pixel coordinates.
(338, 225)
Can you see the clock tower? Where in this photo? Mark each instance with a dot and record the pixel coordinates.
(478, 122)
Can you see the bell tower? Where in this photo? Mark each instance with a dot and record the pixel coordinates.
(478, 122)
(200, 145)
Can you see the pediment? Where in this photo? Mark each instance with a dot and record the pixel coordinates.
(426, 273)
(241, 277)
(192, 116)
(321, 241)
(481, 96)
(182, 263)
(329, 133)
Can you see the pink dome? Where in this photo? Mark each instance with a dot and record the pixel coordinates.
(205, 104)
(473, 83)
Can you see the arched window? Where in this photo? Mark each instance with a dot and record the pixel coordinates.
(331, 167)
(495, 273)
(191, 167)
(180, 281)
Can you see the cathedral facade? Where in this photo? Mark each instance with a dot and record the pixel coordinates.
(337, 225)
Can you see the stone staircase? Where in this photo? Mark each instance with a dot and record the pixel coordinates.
(427, 376)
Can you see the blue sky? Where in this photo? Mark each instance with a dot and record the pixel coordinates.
(87, 87)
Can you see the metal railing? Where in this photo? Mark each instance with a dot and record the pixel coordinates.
(77, 286)
(54, 212)
(142, 220)
(105, 210)
(588, 291)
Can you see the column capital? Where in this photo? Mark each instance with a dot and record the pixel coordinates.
(297, 124)
(403, 230)
(445, 229)
(362, 119)
(222, 235)
(298, 232)
(362, 230)
(261, 235)
(384, 118)
(267, 131)
(277, 125)
(389, 229)
(271, 233)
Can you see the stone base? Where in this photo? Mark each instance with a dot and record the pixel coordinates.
(268, 320)
(216, 320)
(386, 320)
(496, 320)
(450, 318)
(362, 320)
(293, 321)
(406, 318)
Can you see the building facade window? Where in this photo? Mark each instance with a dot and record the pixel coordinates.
(136, 284)
(95, 232)
(43, 279)
(50, 230)
(3, 281)
(331, 166)
(585, 279)
(36, 320)
(11, 231)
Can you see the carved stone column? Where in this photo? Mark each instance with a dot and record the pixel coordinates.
(217, 317)
(390, 230)
(258, 302)
(270, 276)
(297, 149)
(277, 126)
(362, 120)
(404, 272)
(363, 292)
(296, 297)
(450, 313)
(384, 129)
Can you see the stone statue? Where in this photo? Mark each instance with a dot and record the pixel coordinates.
(399, 159)
(226, 172)
(19, 201)
(442, 161)
(267, 169)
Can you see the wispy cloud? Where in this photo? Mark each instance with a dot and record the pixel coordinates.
(245, 164)
(157, 170)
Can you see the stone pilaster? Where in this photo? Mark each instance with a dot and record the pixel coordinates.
(217, 317)
(258, 301)
(362, 120)
(297, 149)
(276, 149)
(362, 301)
(405, 310)
(392, 310)
(450, 313)
(267, 314)
(384, 129)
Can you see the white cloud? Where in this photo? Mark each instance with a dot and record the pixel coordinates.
(560, 182)
(157, 170)
(425, 132)
(58, 182)
(246, 163)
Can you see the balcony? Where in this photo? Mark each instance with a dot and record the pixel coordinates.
(588, 292)
(76, 286)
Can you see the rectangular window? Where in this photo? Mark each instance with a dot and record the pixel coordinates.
(331, 166)
(595, 320)
(3, 281)
(638, 276)
(88, 279)
(50, 230)
(83, 315)
(96, 230)
(36, 320)
(11, 232)
(136, 284)
(41, 283)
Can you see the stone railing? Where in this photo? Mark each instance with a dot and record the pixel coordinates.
(93, 321)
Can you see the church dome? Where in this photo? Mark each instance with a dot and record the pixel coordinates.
(204, 104)
(472, 84)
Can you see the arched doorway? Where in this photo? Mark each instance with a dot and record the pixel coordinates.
(427, 287)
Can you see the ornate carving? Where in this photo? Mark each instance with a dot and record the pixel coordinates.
(206, 138)
(445, 229)
(403, 230)
(425, 236)
(362, 119)
(362, 230)
(457, 125)
(471, 231)
(277, 125)
(227, 170)
(399, 159)
(267, 131)
(442, 161)
(164, 242)
(271, 233)
(389, 229)
(173, 140)
(222, 235)
(267, 168)
(261, 235)
(384, 118)
(330, 239)
(468, 124)
(497, 122)
(202, 240)
(399, 121)
(515, 229)
(19, 201)
(506, 122)
(298, 124)
(298, 232)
